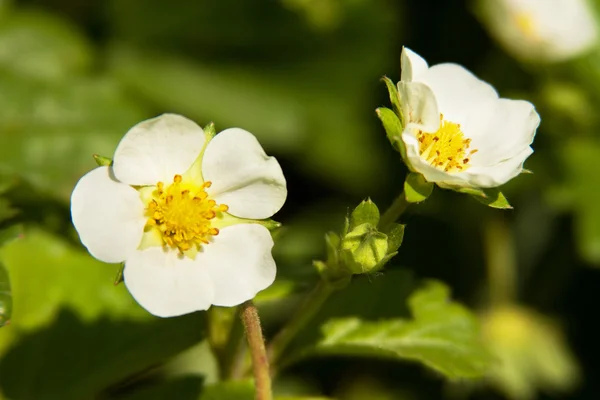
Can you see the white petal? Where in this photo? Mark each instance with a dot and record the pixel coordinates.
(456, 90)
(243, 177)
(499, 174)
(239, 262)
(158, 149)
(108, 215)
(500, 129)
(166, 284)
(419, 106)
(412, 64)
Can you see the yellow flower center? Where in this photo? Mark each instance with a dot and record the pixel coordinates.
(182, 213)
(447, 149)
(526, 25)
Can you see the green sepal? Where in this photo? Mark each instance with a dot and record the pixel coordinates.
(526, 171)
(393, 129)
(269, 224)
(394, 97)
(102, 161)
(491, 197)
(363, 249)
(416, 188)
(209, 130)
(365, 213)
(119, 278)
(395, 237)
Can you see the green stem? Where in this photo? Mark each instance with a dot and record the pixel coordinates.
(394, 212)
(256, 344)
(322, 291)
(501, 262)
(235, 355)
(312, 303)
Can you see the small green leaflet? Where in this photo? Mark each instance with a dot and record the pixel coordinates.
(442, 334)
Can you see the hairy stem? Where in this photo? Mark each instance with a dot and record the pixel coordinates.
(256, 344)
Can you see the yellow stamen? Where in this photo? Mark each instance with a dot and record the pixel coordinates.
(447, 149)
(182, 213)
(526, 25)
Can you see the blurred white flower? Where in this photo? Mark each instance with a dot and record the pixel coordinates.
(541, 30)
(167, 207)
(457, 132)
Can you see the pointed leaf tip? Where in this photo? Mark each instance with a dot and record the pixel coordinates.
(102, 161)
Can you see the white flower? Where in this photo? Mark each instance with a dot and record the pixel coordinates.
(177, 207)
(541, 30)
(457, 132)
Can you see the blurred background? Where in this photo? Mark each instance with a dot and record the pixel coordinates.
(304, 77)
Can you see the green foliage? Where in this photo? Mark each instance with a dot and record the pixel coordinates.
(582, 175)
(5, 297)
(442, 335)
(41, 46)
(302, 76)
(46, 125)
(100, 353)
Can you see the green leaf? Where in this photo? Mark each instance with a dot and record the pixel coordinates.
(393, 129)
(65, 277)
(41, 46)
(442, 334)
(395, 237)
(188, 387)
(394, 97)
(52, 147)
(239, 390)
(416, 188)
(302, 398)
(491, 197)
(5, 297)
(392, 286)
(87, 333)
(78, 359)
(365, 213)
(287, 112)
